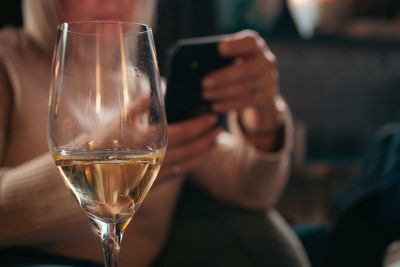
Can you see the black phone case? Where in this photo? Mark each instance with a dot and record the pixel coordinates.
(189, 60)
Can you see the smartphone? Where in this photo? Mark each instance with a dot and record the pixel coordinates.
(188, 61)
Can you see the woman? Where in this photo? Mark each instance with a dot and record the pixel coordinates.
(247, 167)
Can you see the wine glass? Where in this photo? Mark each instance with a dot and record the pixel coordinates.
(107, 127)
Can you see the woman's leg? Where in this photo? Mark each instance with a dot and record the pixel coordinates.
(208, 232)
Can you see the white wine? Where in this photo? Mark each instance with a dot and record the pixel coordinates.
(109, 186)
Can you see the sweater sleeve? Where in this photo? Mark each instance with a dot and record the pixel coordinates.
(36, 207)
(5, 107)
(239, 173)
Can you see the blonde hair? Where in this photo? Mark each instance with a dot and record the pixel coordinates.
(41, 18)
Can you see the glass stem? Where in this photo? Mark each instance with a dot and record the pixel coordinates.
(111, 238)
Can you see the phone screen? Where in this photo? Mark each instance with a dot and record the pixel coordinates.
(189, 60)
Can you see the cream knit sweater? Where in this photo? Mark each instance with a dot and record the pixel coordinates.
(37, 210)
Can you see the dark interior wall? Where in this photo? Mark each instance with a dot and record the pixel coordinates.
(343, 91)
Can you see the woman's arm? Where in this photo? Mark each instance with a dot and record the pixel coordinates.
(35, 206)
(5, 109)
(240, 173)
(250, 167)
(249, 86)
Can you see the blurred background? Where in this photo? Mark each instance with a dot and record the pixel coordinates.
(339, 63)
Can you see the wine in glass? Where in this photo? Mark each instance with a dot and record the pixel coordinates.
(107, 127)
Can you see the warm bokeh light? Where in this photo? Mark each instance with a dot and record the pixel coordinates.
(305, 14)
(124, 74)
(98, 77)
(298, 2)
(90, 145)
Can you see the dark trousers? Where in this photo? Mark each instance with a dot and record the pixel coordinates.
(207, 232)
(360, 237)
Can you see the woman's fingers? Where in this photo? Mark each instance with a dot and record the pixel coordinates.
(187, 130)
(181, 152)
(258, 90)
(182, 158)
(170, 171)
(242, 43)
(251, 81)
(252, 57)
(238, 71)
(189, 141)
(250, 86)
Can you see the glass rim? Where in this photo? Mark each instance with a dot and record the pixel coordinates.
(65, 26)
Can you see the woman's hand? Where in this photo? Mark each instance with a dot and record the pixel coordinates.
(249, 85)
(251, 81)
(188, 142)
